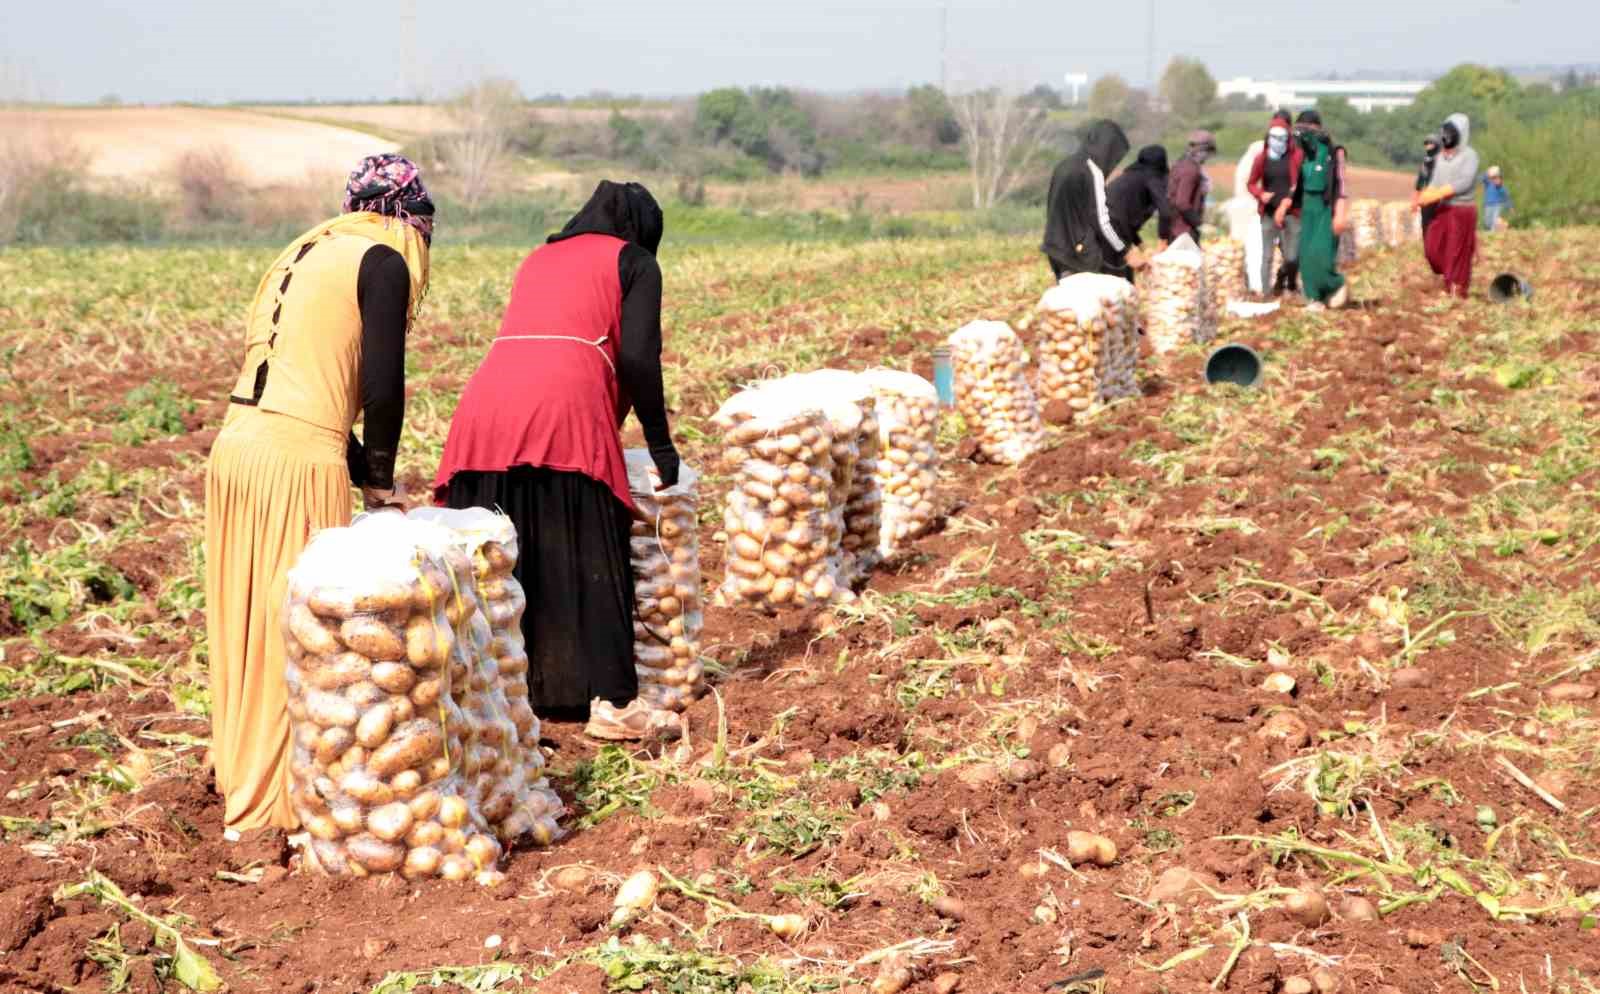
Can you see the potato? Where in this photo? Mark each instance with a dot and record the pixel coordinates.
(1308, 907)
(373, 638)
(483, 850)
(455, 868)
(405, 784)
(330, 710)
(390, 822)
(342, 603)
(425, 833)
(332, 743)
(349, 818)
(425, 805)
(373, 729)
(396, 678)
(426, 693)
(341, 670)
(412, 744)
(374, 854)
(452, 812)
(422, 862)
(427, 645)
(364, 694)
(322, 827)
(308, 630)
(1086, 847)
(366, 788)
(328, 857)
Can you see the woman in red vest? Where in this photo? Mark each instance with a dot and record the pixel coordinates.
(537, 435)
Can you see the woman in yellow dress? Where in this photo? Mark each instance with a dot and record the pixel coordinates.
(324, 342)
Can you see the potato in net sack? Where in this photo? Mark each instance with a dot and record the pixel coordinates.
(907, 412)
(1366, 221)
(1226, 279)
(1088, 345)
(777, 518)
(1396, 223)
(506, 770)
(668, 614)
(993, 393)
(388, 771)
(1173, 297)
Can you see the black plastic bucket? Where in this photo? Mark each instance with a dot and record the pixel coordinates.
(1509, 286)
(1233, 363)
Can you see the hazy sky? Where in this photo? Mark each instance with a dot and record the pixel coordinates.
(221, 50)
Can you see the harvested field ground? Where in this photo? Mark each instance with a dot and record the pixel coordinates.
(1403, 521)
(142, 144)
(425, 119)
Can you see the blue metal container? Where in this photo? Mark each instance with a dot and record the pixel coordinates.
(944, 376)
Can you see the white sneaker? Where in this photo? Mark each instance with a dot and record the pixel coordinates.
(1316, 305)
(1340, 296)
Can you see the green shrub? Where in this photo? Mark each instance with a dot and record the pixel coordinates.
(1551, 183)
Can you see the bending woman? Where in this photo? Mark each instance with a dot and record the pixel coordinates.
(1078, 234)
(537, 436)
(324, 341)
(1139, 194)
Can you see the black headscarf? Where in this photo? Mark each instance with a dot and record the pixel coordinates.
(621, 210)
(1152, 159)
(1072, 237)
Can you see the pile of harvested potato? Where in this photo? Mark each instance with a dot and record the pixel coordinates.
(406, 756)
(993, 393)
(777, 518)
(1088, 343)
(665, 551)
(907, 412)
(1395, 223)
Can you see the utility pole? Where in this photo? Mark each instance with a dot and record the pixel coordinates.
(944, 47)
(408, 50)
(1150, 50)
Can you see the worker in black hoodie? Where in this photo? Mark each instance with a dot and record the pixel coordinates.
(1078, 234)
(1137, 195)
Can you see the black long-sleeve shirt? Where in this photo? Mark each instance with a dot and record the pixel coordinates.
(1133, 198)
(639, 355)
(383, 294)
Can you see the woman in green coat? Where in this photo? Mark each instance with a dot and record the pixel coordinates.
(1324, 208)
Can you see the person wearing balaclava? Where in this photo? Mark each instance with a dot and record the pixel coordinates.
(1272, 181)
(1139, 194)
(1078, 234)
(1187, 186)
(537, 436)
(1452, 237)
(1323, 199)
(1430, 157)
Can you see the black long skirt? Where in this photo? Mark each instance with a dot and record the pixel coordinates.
(573, 565)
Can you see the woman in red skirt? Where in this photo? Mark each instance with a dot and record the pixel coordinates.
(537, 436)
(1452, 236)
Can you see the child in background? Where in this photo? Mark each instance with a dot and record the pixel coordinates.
(1496, 198)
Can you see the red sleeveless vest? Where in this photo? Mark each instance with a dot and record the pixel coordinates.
(547, 394)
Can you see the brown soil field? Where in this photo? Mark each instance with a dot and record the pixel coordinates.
(425, 119)
(1259, 544)
(142, 144)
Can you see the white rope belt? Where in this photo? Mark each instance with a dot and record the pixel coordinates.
(596, 343)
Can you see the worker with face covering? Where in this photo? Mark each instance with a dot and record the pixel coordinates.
(1322, 196)
(1139, 194)
(1188, 185)
(1430, 157)
(1078, 234)
(1272, 180)
(537, 435)
(1452, 237)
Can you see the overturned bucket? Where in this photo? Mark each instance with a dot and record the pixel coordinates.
(1509, 286)
(1233, 363)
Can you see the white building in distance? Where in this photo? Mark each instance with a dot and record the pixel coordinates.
(1298, 94)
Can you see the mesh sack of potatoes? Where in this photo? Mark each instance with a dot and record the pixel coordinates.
(665, 551)
(502, 762)
(372, 625)
(849, 404)
(907, 413)
(993, 392)
(1349, 251)
(777, 516)
(1414, 227)
(1396, 224)
(1366, 220)
(1087, 344)
(1173, 297)
(1226, 280)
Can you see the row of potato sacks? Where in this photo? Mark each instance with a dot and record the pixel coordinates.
(1087, 341)
(1174, 302)
(993, 393)
(414, 746)
(1226, 280)
(824, 485)
(668, 612)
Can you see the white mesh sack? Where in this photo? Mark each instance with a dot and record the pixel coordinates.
(668, 614)
(993, 393)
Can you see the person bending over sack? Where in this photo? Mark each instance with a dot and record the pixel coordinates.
(1079, 236)
(537, 435)
(325, 340)
(1139, 194)
(1188, 186)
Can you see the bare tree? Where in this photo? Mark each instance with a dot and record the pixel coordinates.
(1001, 135)
(485, 115)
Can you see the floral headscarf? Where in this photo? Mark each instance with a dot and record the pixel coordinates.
(391, 185)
